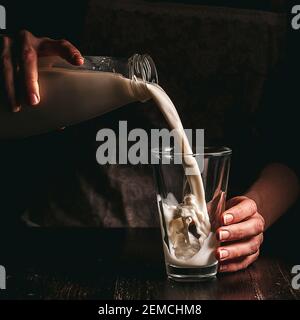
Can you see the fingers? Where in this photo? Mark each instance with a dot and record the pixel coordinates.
(63, 48)
(242, 230)
(24, 65)
(239, 249)
(240, 208)
(7, 74)
(31, 48)
(27, 49)
(238, 264)
(29, 71)
(241, 234)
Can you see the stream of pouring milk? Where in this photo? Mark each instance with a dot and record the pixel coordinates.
(185, 248)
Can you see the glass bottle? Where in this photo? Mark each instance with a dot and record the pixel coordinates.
(72, 94)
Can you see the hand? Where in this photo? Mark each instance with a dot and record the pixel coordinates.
(240, 234)
(19, 69)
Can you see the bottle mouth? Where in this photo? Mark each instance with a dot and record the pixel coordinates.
(143, 67)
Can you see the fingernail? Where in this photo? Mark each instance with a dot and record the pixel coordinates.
(34, 99)
(78, 58)
(223, 254)
(228, 218)
(223, 235)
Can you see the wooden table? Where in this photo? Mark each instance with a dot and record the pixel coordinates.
(120, 264)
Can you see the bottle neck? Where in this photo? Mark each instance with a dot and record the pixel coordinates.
(137, 66)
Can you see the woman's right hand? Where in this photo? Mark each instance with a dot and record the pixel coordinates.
(19, 65)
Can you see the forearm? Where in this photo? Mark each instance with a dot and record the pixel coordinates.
(274, 192)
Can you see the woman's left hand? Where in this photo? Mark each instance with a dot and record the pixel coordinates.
(240, 234)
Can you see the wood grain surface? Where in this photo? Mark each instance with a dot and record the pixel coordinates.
(121, 264)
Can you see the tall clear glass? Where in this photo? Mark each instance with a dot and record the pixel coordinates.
(189, 252)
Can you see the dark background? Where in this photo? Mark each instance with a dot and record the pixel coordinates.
(232, 65)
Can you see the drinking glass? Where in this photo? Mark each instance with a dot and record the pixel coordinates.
(188, 257)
